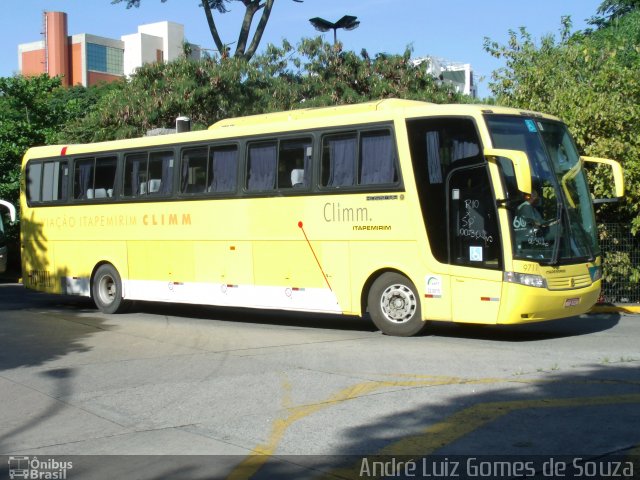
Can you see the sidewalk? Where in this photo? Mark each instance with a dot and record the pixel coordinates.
(631, 308)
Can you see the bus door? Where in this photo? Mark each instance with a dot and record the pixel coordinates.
(475, 253)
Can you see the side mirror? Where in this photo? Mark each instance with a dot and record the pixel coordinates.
(618, 179)
(520, 163)
(11, 208)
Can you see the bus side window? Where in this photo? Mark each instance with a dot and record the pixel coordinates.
(194, 170)
(54, 181)
(367, 158)
(223, 170)
(262, 166)
(47, 181)
(160, 173)
(294, 160)
(377, 158)
(339, 160)
(94, 178)
(83, 178)
(34, 179)
(135, 174)
(105, 178)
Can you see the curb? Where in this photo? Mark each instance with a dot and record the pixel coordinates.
(630, 309)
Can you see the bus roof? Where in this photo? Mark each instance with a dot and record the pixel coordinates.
(319, 112)
(386, 105)
(287, 120)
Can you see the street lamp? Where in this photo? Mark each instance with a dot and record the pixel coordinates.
(347, 22)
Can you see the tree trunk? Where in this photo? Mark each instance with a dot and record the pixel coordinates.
(257, 36)
(252, 6)
(213, 29)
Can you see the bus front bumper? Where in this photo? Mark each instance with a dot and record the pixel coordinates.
(523, 304)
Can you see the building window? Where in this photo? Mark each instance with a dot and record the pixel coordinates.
(101, 58)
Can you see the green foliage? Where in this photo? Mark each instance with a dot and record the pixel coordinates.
(337, 77)
(610, 11)
(620, 263)
(282, 78)
(591, 81)
(27, 117)
(32, 112)
(218, 5)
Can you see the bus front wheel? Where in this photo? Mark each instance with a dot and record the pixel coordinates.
(106, 290)
(394, 305)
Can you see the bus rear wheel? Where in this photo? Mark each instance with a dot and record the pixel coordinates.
(106, 290)
(394, 305)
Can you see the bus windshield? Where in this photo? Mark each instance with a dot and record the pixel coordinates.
(556, 223)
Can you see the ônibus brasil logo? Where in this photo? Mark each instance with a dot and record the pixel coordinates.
(36, 469)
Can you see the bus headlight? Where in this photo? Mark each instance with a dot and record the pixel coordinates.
(596, 273)
(525, 279)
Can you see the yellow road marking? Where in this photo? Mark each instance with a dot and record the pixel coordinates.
(431, 439)
(472, 418)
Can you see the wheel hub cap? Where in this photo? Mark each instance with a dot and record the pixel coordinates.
(398, 303)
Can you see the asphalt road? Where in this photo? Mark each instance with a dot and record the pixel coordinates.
(173, 391)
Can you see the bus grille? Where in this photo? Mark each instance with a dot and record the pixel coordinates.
(568, 283)
(40, 278)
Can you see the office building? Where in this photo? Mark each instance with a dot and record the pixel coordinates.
(88, 59)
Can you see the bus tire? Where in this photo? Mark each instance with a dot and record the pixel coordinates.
(394, 305)
(106, 290)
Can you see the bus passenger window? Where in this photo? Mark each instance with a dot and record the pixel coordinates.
(294, 160)
(54, 181)
(105, 178)
(47, 181)
(194, 170)
(135, 174)
(377, 158)
(262, 167)
(34, 174)
(83, 179)
(160, 173)
(223, 172)
(339, 160)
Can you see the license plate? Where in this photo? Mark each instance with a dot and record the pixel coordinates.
(571, 302)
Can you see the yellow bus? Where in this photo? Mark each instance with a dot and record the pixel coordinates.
(3, 240)
(406, 210)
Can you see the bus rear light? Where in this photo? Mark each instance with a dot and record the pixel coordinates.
(525, 279)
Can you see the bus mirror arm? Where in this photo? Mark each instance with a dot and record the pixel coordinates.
(520, 163)
(11, 208)
(618, 178)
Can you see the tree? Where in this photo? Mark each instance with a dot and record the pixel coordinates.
(610, 11)
(590, 81)
(251, 8)
(282, 78)
(26, 118)
(33, 111)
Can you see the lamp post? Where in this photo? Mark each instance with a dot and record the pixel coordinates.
(347, 22)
